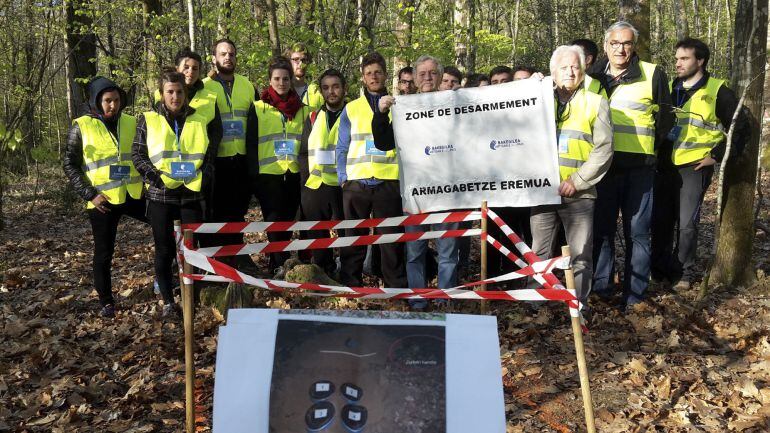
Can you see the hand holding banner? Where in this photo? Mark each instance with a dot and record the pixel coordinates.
(494, 143)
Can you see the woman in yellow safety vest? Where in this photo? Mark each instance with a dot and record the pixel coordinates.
(98, 164)
(174, 151)
(273, 131)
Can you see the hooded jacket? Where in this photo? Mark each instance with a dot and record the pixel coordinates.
(72, 160)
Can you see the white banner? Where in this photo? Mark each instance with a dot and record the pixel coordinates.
(494, 143)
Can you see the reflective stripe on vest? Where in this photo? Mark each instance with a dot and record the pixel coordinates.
(701, 129)
(633, 112)
(100, 152)
(576, 131)
(162, 147)
(361, 165)
(321, 146)
(241, 98)
(272, 129)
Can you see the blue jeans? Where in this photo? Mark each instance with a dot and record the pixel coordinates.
(630, 192)
(447, 257)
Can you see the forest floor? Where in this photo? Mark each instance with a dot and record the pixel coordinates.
(676, 364)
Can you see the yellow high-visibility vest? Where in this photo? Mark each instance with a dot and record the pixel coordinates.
(164, 148)
(279, 138)
(321, 152)
(633, 113)
(101, 150)
(312, 97)
(575, 131)
(701, 129)
(364, 160)
(233, 110)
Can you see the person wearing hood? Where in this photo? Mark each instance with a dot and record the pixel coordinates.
(273, 132)
(174, 151)
(97, 161)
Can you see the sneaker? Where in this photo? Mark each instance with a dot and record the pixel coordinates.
(683, 284)
(108, 311)
(171, 311)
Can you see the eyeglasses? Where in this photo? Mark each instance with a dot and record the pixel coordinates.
(615, 44)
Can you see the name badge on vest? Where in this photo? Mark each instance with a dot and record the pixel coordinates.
(284, 147)
(120, 172)
(182, 170)
(563, 144)
(232, 128)
(674, 133)
(372, 150)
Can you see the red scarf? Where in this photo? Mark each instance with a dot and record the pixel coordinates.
(288, 105)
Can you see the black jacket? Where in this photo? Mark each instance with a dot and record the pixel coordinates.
(157, 190)
(72, 160)
(664, 119)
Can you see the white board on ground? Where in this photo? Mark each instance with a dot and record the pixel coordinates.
(266, 357)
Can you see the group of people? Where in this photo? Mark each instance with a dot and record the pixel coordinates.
(628, 140)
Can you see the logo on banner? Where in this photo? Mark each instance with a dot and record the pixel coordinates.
(430, 150)
(501, 144)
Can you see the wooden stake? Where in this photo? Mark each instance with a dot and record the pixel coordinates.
(580, 352)
(483, 246)
(189, 358)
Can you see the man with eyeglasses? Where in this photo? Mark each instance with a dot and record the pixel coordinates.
(428, 77)
(406, 81)
(641, 115)
(309, 94)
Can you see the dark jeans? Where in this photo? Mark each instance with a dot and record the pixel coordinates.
(230, 198)
(279, 197)
(630, 192)
(322, 204)
(679, 195)
(162, 216)
(104, 227)
(517, 219)
(381, 201)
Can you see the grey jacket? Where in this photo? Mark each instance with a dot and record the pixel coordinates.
(600, 158)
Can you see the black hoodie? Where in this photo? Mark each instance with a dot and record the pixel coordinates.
(72, 160)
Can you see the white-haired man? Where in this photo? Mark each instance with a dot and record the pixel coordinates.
(427, 77)
(584, 132)
(641, 116)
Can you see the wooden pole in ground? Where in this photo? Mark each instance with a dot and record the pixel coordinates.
(189, 358)
(577, 332)
(483, 247)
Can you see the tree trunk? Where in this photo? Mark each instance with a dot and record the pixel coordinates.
(682, 26)
(81, 64)
(223, 18)
(272, 28)
(463, 16)
(637, 12)
(404, 20)
(515, 35)
(191, 23)
(732, 264)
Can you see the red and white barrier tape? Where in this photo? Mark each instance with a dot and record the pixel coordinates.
(345, 241)
(287, 226)
(547, 279)
(226, 273)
